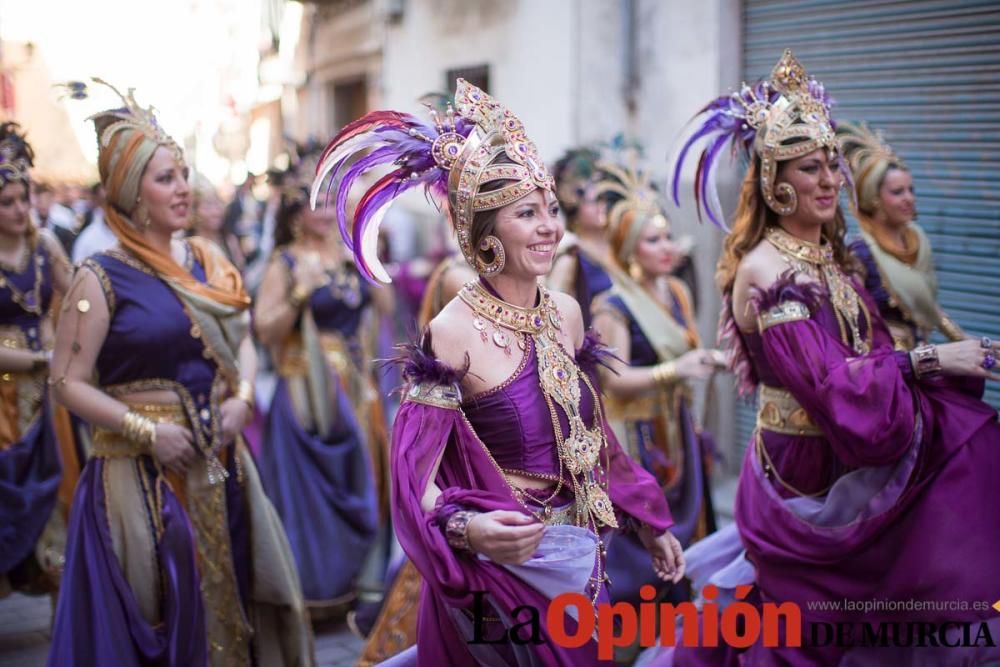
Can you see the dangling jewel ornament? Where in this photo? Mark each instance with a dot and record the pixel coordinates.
(560, 378)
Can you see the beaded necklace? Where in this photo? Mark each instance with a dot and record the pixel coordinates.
(816, 260)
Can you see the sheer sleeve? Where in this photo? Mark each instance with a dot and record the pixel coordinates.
(430, 426)
(865, 405)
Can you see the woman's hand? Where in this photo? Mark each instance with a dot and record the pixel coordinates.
(966, 358)
(699, 364)
(668, 557)
(505, 537)
(235, 416)
(174, 447)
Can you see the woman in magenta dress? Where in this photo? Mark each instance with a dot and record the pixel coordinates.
(175, 556)
(864, 457)
(504, 472)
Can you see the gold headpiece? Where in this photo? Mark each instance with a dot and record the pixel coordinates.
(497, 130)
(869, 157)
(795, 124)
(639, 203)
(455, 155)
(15, 156)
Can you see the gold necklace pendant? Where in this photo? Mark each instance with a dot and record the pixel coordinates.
(817, 261)
(559, 378)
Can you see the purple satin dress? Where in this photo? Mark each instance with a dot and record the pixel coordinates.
(30, 468)
(321, 483)
(506, 427)
(98, 620)
(904, 483)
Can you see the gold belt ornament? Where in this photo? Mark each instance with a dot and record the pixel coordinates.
(780, 412)
(110, 444)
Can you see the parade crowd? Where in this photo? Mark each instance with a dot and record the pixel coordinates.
(221, 421)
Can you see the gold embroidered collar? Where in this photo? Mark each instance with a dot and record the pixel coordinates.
(541, 319)
(807, 251)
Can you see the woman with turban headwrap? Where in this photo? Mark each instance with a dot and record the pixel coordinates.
(894, 251)
(647, 317)
(175, 556)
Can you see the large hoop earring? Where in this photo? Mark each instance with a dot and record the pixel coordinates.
(783, 191)
(499, 256)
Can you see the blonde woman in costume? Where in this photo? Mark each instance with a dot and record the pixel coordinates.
(647, 318)
(895, 253)
(175, 555)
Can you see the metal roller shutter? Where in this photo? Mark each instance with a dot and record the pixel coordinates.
(928, 74)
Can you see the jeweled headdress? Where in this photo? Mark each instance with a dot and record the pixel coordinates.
(782, 118)
(454, 156)
(16, 156)
(634, 203)
(869, 158)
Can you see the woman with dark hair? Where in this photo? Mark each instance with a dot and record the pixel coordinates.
(175, 556)
(581, 269)
(858, 447)
(323, 462)
(34, 274)
(895, 253)
(505, 475)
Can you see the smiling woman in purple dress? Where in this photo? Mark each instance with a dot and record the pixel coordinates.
(175, 556)
(504, 472)
(860, 451)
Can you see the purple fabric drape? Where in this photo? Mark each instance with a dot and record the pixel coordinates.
(30, 472)
(423, 434)
(323, 490)
(98, 621)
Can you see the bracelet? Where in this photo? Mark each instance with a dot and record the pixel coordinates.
(664, 373)
(140, 429)
(298, 296)
(456, 530)
(925, 362)
(246, 394)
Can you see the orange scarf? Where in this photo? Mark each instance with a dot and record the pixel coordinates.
(224, 286)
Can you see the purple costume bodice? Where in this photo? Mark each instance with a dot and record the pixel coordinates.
(11, 313)
(150, 335)
(513, 420)
(339, 305)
